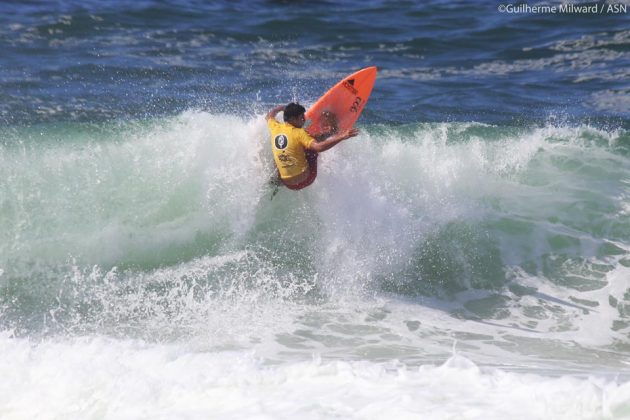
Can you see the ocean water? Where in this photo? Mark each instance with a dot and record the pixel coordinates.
(467, 256)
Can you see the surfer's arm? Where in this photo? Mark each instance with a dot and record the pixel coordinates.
(274, 112)
(333, 140)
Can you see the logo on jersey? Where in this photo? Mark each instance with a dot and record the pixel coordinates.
(281, 141)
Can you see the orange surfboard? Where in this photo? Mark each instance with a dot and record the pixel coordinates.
(341, 106)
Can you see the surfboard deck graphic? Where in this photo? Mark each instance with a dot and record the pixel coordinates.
(339, 108)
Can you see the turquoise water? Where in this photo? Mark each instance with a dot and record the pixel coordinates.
(107, 227)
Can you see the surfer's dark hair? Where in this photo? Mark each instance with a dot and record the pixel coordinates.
(293, 110)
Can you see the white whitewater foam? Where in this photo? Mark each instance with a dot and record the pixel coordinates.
(92, 378)
(200, 174)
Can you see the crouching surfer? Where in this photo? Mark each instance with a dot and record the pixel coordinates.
(294, 150)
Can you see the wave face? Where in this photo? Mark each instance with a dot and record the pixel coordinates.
(514, 240)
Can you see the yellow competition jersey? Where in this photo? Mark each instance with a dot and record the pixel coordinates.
(288, 144)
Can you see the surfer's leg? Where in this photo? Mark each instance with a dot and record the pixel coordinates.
(275, 179)
(275, 182)
(276, 188)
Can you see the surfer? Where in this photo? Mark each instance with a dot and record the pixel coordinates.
(294, 150)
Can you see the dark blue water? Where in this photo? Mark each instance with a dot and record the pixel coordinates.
(91, 61)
